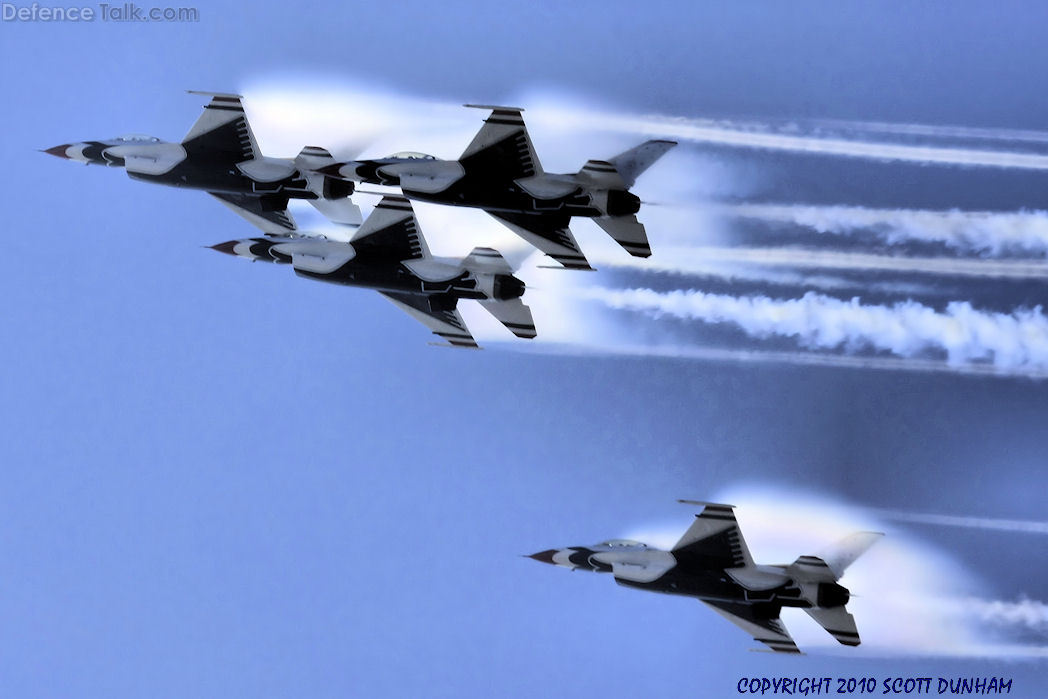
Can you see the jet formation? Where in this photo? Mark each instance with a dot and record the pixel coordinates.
(712, 563)
(499, 172)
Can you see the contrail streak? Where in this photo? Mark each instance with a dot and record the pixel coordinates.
(745, 356)
(979, 231)
(936, 130)
(1015, 341)
(703, 131)
(1008, 525)
(698, 260)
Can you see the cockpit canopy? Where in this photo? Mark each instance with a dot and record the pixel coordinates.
(136, 138)
(411, 155)
(623, 543)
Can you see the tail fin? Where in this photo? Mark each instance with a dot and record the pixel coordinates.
(622, 171)
(818, 575)
(842, 554)
(832, 561)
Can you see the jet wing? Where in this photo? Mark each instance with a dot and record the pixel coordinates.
(445, 322)
(714, 540)
(549, 233)
(250, 208)
(764, 628)
(501, 150)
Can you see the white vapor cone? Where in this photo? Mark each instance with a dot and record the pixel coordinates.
(1014, 340)
(967, 231)
(909, 598)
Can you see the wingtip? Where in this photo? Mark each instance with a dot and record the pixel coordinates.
(493, 106)
(206, 93)
(703, 503)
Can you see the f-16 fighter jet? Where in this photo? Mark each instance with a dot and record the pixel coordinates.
(220, 155)
(389, 254)
(500, 173)
(711, 563)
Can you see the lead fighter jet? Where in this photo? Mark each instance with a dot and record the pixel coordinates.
(712, 563)
(500, 173)
(220, 155)
(389, 254)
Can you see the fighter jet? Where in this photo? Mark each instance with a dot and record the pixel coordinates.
(500, 173)
(389, 254)
(220, 155)
(712, 563)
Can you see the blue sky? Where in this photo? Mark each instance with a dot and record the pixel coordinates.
(218, 479)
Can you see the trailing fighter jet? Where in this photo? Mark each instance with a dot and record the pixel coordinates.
(712, 563)
(500, 173)
(389, 254)
(220, 155)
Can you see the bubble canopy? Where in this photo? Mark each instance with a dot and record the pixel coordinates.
(623, 543)
(137, 138)
(411, 155)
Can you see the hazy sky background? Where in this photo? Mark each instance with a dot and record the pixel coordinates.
(217, 479)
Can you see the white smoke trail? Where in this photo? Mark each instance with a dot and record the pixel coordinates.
(702, 260)
(1018, 340)
(1026, 612)
(936, 130)
(703, 131)
(1008, 525)
(970, 231)
(910, 598)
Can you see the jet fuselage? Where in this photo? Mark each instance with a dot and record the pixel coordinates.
(636, 565)
(339, 263)
(460, 184)
(152, 160)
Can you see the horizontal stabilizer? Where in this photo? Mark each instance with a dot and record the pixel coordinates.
(838, 623)
(514, 315)
(342, 211)
(628, 232)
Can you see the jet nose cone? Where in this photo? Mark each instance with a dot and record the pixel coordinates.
(59, 151)
(544, 556)
(226, 247)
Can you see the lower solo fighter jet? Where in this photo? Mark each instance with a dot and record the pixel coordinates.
(389, 254)
(712, 563)
(220, 156)
(500, 173)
